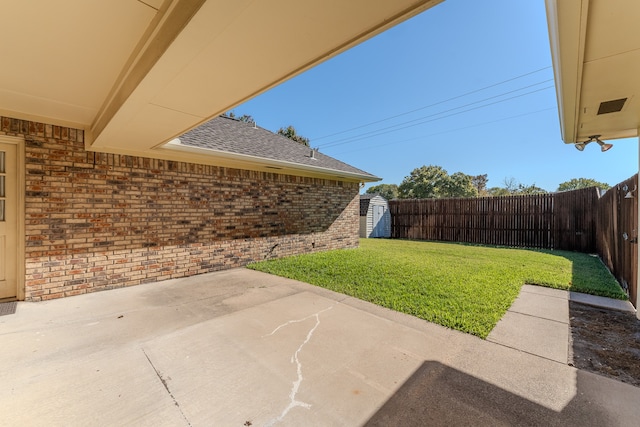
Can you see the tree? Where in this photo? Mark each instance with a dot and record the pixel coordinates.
(530, 189)
(498, 191)
(290, 132)
(514, 188)
(480, 183)
(511, 185)
(423, 183)
(243, 118)
(388, 191)
(578, 183)
(246, 118)
(461, 185)
(434, 182)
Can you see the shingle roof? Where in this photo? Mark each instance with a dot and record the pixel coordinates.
(365, 201)
(233, 136)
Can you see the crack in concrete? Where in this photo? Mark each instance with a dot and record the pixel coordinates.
(166, 387)
(296, 384)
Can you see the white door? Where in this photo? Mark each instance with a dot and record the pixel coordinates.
(378, 224)
(8, 221)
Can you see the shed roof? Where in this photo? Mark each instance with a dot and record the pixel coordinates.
(367, 196)
(365, 201)
(250, 142)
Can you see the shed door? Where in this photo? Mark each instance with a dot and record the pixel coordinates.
(378, 223)
(8, 221)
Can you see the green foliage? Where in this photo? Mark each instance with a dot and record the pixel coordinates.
(434, 182)
(578, 183)
(530, 189)
(464, 287)
(480, 183)
(246, 118)
(498, 191)
(290, 132)
(514, 188)
(388, 191)
(424, 182)
(461, 185)
(243, 118)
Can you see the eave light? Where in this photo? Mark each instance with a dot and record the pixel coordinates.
(603, 146)
(580, 145)
(629, 194)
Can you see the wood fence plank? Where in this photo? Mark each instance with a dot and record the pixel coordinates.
(577, 220)
(549, 221)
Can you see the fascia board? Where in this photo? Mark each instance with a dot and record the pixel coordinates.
(281, 165)
(567, 25)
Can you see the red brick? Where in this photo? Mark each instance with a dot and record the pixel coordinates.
(136, 220)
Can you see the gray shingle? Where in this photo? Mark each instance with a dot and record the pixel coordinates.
(233, 136)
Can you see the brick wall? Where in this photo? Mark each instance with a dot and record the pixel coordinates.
(99, 221)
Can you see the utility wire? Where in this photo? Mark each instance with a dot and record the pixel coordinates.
(445, 131)
(432, 105)
(390, 129)
(339, 141)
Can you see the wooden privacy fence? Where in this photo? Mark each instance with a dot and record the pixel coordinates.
(617, 233)
(548, 221)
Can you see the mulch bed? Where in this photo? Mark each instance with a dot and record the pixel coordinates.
(606, 342)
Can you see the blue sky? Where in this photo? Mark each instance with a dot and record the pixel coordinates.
(466, 85)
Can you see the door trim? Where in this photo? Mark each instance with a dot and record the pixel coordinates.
(20, 202)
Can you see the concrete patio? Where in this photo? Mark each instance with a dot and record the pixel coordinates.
(239, 348)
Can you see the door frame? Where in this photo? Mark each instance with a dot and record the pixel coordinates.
(20, 205)
(375, 232)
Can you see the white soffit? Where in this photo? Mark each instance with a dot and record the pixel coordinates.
(229, 52)
(595, 48)
(61, 58)
(136, 73)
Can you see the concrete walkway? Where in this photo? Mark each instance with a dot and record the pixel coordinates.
(239, 348)
(538, 321)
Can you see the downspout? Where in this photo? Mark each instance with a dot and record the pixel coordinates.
(638, 252)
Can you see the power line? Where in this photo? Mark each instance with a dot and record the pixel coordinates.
(391, 129)
(432, 105)
(339, 141)
(446, 131)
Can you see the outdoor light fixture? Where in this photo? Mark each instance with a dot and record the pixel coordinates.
(629, 194)
(580, 145)
(603, 146)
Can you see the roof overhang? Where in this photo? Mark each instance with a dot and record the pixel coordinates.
(174, 150)
(135, 74)
(595, 49)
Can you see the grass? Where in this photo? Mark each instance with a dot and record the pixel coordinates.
(464, 287)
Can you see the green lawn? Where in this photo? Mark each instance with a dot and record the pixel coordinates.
(464, 287)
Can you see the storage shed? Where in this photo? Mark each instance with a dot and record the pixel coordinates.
(375, 219)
